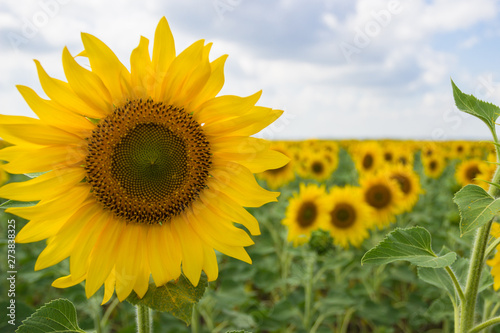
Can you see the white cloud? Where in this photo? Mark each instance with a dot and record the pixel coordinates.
(396, 85)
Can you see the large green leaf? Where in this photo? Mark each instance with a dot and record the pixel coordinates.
(56, 316)
(476, 207)
(412, 244)
(178, 298)
(441, 279)
(437, 277)
(485, 111)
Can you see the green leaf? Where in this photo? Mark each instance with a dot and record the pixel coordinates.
(238, 332)
(485, 111)
(412, 244)
(476, 207)
(13, 203)
(437, 277)
(178, 298)
(56, 316)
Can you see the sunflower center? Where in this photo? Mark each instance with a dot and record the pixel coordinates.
(403, 181)
(388, 156)
(472, 172)
(307, 214)
(343, 215)
(367, 161)
(317, 167)
(433, 165)
(378, 196)
(147, 161)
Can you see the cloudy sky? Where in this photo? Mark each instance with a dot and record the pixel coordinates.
(339, 69)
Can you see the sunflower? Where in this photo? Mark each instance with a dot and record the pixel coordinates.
(318, 166)
(384, 196)
(145, 170)
(472, 172)
(349, 216)
(409, 184)
(434, 165)
(367, 157)
(275, 178)
(307, 211)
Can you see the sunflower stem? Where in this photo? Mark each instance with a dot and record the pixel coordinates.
(144, 319)
(310, 260)
(468, 307)
(195, 320)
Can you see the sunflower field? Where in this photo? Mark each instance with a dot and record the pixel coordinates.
(139, 190)
(338, 199)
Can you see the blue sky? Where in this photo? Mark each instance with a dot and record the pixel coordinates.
(339, 69)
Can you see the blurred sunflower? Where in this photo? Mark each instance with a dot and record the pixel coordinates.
(318, 166)
(275, 178)
(367, 157)
(307, 211)
(434, 165)
(384, 196)
(459, 150)
(349, 216)
(145, 170)
(471, 172)
(409, 184)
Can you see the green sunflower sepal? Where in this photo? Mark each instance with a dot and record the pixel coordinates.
(177, 298)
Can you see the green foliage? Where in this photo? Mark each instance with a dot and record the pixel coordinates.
(178, 297)
(13, 203)
(476, 207)
(56, 316)
(485, 111)
(413, 245)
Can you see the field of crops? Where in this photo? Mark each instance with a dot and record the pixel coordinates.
(338, 200)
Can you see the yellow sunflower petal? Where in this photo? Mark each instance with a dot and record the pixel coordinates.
(36, 230)
(239, 183)
(61, 245)
(163, 53)
(108, 67)
(191, 249)
(86, 84)
(61, 93)
(214, 84)
(237, 252)
(216, 226)
(48, 185)
(248, 124)
(224, 206)
(87, 237)
(141, 70)
(177, 74)
(46, 209)
(20, 130)
(160, 255)
(51, 114)
(67, 281)
(210, 266)
(129, 258)
(109, 287)
(103, 256)
(28, 159)
(225, 107)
